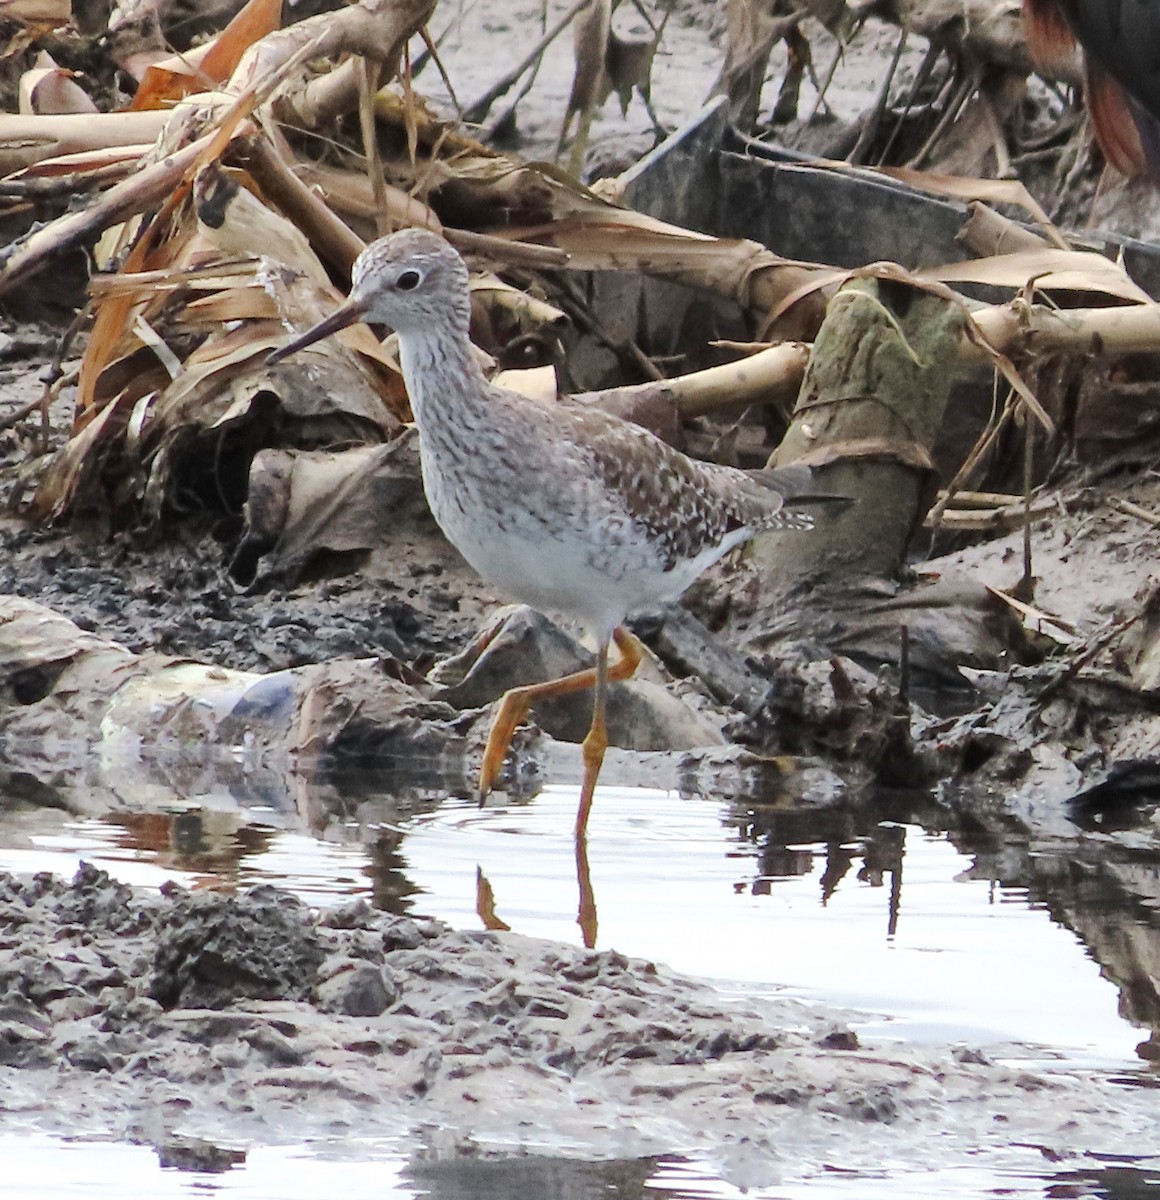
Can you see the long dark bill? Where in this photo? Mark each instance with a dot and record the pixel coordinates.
(346, 314)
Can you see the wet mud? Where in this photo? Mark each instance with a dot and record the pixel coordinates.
(135, 1014)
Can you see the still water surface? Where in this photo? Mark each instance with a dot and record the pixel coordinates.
(41, 1168)
(915, 939)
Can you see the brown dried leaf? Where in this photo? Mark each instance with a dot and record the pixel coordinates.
(591, 30)
(73, 467)
(1046, 269)
(963, 187)
(752, 28)
(37, 16)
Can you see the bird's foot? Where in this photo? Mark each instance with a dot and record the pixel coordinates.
(513, 708)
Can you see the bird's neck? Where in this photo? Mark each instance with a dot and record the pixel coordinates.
(444, 380)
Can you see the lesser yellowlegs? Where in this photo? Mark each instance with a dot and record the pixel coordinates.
(567, 509)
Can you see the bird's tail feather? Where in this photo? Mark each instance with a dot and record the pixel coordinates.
(796, 486)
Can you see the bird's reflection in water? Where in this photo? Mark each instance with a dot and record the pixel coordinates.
(586, 916)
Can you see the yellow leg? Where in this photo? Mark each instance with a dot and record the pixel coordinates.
(586, 912)
(515, 704)
(596, 742)
(593, 749)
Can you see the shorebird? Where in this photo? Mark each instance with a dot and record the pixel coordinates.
(565, 508)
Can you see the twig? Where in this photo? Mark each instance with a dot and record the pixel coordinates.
(921, 76)
(507, 250)
(25, 410)
(432, 52)
(870, 129)
(583, 319)
(1134, 510)
(1095, 645)
(1002, 152)
(1026, 589)
(44, 188)
(476, 112)
(1075, 170)
(904, 667)
(368, 81)
(950, 114)
(982, 445)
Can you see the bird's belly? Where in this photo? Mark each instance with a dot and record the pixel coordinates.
(570, 563)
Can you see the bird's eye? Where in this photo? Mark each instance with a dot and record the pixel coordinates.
(408, 281)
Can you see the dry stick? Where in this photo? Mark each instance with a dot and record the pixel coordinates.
(1076, 169)
(476, 113)
(1026, 588)
(433, 51)
(25, 410)
(55, 376)
(982, 445)
(580, 316)
(870, 129)
(1002, 153)
(921, 76)
(1134, 510)
(1095, 645)
(644, 14)
(1005, 517)
(506, 250)
(366, 120)
(955, 105)
(1040, 330)
(508, 115)
(139, 192)
(26, 141)
(332, 238)
(950, 114)
(529, 83)
(766, 378)
(985, 500)
(839, 54)
(47, 187)
(904, 668)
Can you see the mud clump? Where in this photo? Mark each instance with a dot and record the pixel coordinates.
(212, 951)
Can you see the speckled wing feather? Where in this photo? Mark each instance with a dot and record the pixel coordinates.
(684, 506)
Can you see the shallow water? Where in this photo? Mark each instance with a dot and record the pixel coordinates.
(879, 917)
(52, 1169)
(930, 947)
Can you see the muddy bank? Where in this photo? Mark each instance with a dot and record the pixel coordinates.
(156, 1017)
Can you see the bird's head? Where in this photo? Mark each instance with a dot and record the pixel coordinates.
(412, 280)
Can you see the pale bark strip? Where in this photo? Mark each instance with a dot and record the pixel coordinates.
(143, 190)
